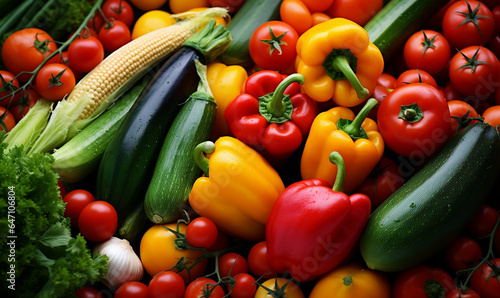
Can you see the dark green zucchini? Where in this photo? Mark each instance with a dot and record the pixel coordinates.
(129, 160)
(175, 170)
(251, 15)
(430, 210)
(397, 20)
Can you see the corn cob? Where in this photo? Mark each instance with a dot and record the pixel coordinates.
(113, 76)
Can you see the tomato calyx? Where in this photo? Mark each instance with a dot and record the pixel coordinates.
(434, 289)
(278, 292)
(471, 62)
(277, 107)
(341, 64)
(465, 120)
(55, 80)
(347, 280)
(472, 16)
(275, 42)
(427, 43)
(411, 113)
(42, 46)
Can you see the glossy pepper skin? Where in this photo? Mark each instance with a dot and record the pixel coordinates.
(272, 115)
(360, 154)
(312, 227)
(226, 82)
(238, 189)
(338, 62)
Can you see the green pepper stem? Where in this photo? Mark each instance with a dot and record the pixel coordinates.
(341, 64)
(355, 127)
(199, 155)
(275, 106)
(337, 159)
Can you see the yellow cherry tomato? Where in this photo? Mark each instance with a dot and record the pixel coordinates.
(277, 286)
(178, 6)
(146, 5)
(158, 252)
(150, 21)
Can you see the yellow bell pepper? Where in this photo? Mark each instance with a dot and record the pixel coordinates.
(359, 142)
(226, 82)
(238, 189)
(338, 62)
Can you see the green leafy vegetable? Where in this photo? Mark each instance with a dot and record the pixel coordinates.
(41, 257)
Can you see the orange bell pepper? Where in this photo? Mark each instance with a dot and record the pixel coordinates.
(357, 139)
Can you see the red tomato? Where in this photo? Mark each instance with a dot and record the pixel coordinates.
(201, 232)
(8, 84)
(426, 124)
(460, 293)
(474, 71)
(463, 253)
(468, 22)
(98, 221)
(359, 11)
(483, 222)
(7, 119)
(132, 289)
(296, 14)
(166, 284)
(62, 188)
(257, 261)
(386, 80)
(75, 201)
(119, 10)
(492, 116)
(231, 5)
(204, 287)
(415, 76)
(485, 279)
(273, 45)
(88, 292)
(496, 16)
(462, 114)
(427, 50)
(85, 53)
(318, 6)
(33, 45)
(115, 36)
(450, 93)
(244, 287)
(232, 264)
(54, 81)
(382, 182)
(418, 281)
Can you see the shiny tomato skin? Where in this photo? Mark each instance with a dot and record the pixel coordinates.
(484, 281)
(47, 86)
(98, 221)
(201, 286)
(11, 97)
(386, 80)
(260, 51)
(115, 36)
(75, 201)
(33, 45)
(166, 284)
(244, 287)
(411, 283)
(421, 139)
(415, 75)
(201, 232)
(8, 119)
(461, 35)
(119, 10)
(459, 293)
(296, 14)
(459, 109)
(359, 11)
(85, 53)
(463, 253)
(232, 264)
(492, 116)
(483, 222)
(257, 261)
(431, 54)
(132, 289)
(88, 292)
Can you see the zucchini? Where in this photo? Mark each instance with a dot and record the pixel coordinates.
(430, 210)
(129, 160)
(251, 15)
(397, 20)
(80, 156)
(175, 170)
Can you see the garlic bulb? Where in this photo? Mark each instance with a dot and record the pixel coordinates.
(123, 266)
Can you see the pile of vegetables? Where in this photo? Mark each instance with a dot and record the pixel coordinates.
(250, 148)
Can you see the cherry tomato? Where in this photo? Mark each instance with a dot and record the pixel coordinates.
(422, 281)
(264, 51)
(62, 188)
(231, 5)
(474, 71)
(468, 22)
(201, 232)
(415, 76)
(450, 93)
(150, 21)
(167, 282)
(462, 293)
(232, 264)
(132, 289)
(319, 17)
(483, 222)
(95, 23)
(85, 53)
(359, 11)
(119, 10)
(178, 6)
(257, 261)
(33, 45)
(281, 287)
(492, 116)
(75, 201)
(88, 292)
(204, 287)
(147, 5)
(7, 119)
(485, 279)
(8, 84)
(463, 253)
(387, 80)
(114, 36)
(427, 50)
(54, 81)
(461, 114)
(244, 287)
(98, 221)
(296, 14)
(317, 6)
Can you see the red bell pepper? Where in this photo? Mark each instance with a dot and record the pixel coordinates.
(272, 115)
(312, 228)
